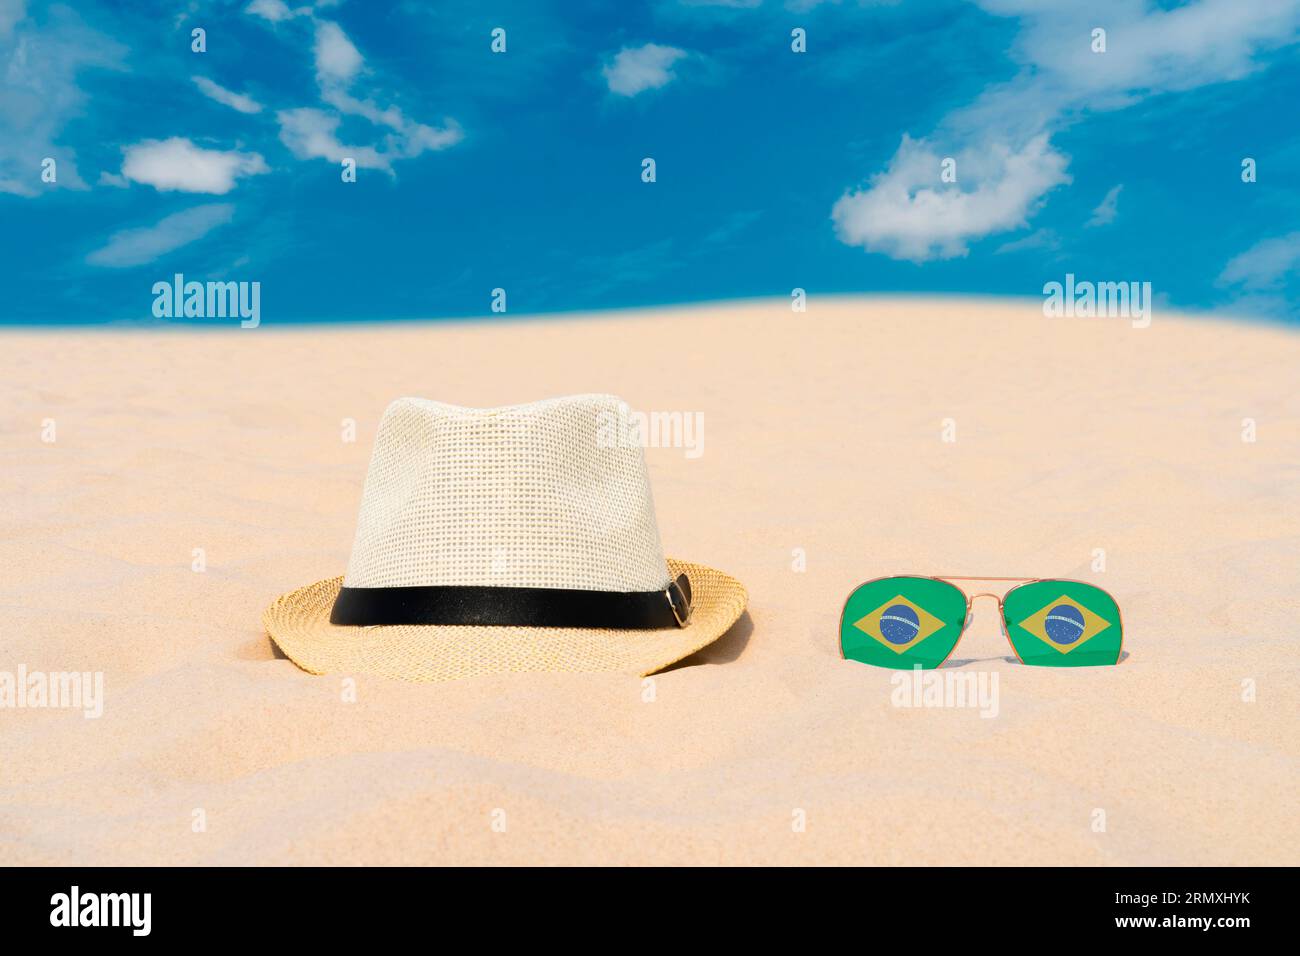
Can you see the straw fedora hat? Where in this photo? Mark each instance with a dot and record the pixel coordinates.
(502, 540)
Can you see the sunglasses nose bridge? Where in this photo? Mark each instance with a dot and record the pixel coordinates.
(970, 603)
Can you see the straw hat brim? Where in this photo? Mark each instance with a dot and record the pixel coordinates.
(298, 622)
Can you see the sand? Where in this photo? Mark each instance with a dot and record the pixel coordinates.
(823, 433)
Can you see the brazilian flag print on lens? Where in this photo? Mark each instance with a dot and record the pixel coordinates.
(1063, 624)
(902, 622)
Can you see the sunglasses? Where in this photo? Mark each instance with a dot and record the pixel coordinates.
(909, 621)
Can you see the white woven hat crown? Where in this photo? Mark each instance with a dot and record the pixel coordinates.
(532, 496)
(478, 528)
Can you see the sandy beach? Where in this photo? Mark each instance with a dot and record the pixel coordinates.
(824, 463)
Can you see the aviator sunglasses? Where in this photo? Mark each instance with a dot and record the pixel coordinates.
(909, 621)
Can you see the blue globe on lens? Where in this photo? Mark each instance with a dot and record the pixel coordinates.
(899, 624)
(1064, 624)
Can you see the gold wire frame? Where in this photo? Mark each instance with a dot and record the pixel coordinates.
(1002, 618)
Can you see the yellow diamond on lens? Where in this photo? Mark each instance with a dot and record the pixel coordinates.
(891, 624)
(1064, 624)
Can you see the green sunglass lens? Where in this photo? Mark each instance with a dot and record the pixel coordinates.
(902, 622)
(1063, 624)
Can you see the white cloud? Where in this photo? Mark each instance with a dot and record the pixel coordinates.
(907, 215)
(177, 164)
(1148, 49)
(1107, 209)
(904, 212)
(11, 11)
(311, 133)
(337, 60)
(634, 70)
(39, 67)
(273, 10)
(237, 101)
(134, 247)
(1045, 239)
(1265, 265)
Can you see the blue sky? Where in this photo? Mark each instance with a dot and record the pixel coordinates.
(523, 170)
